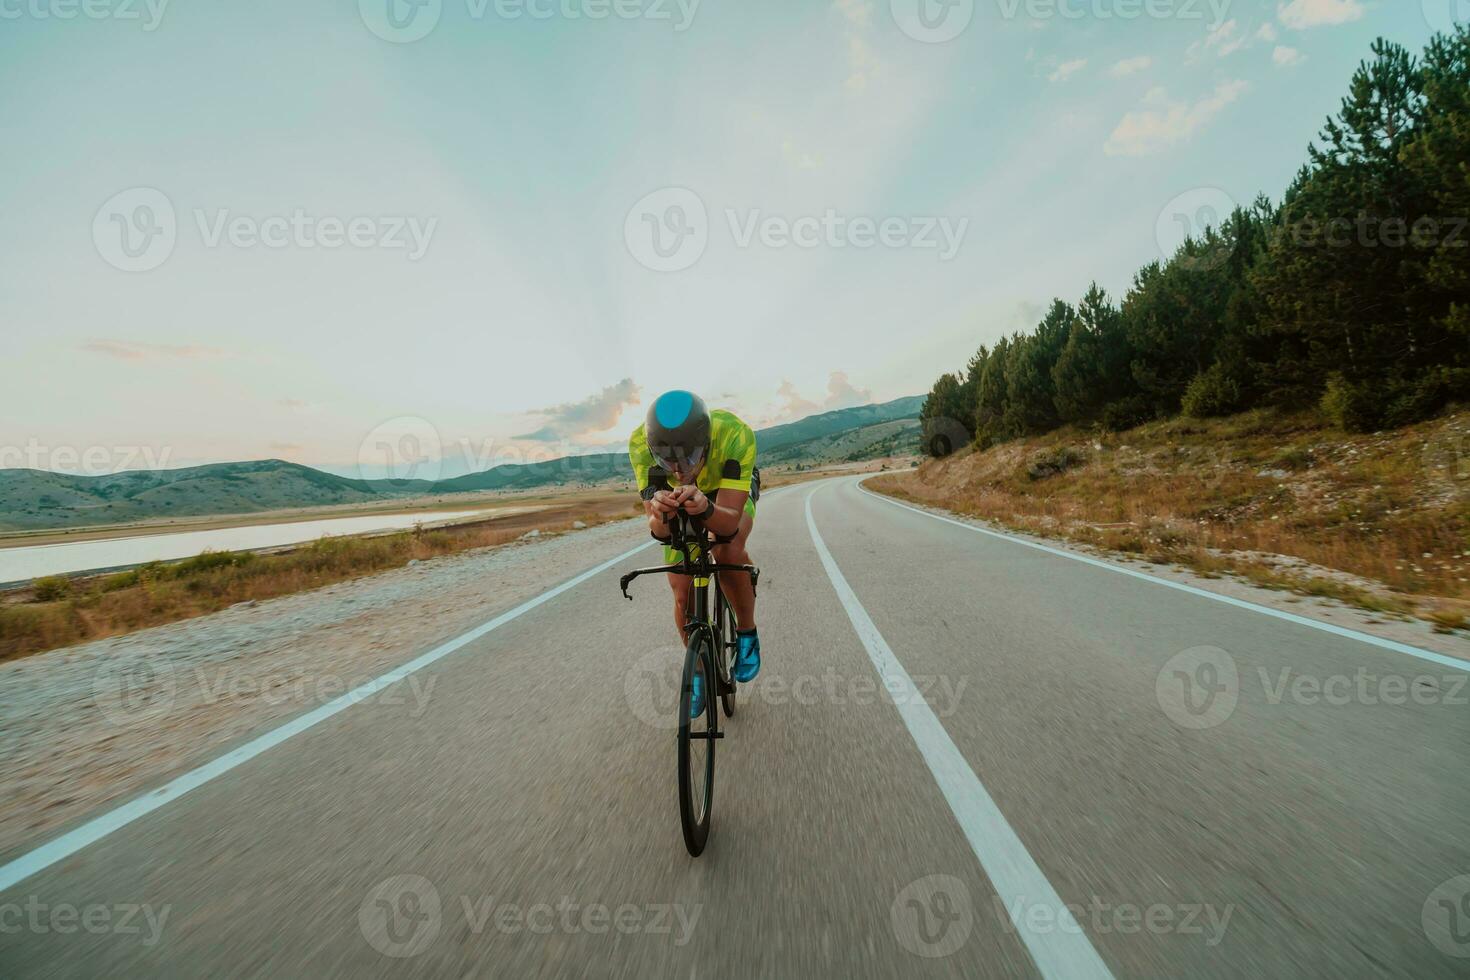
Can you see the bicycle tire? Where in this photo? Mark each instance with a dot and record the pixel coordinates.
(725, 642)
(696, 795)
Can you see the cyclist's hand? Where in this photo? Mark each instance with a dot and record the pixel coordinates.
(695, 501)
(664, 503)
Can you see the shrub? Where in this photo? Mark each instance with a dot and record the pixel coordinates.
(1212, 393)
(208, 561)
(52, 588)
(121, 580)
(1389, 403)
(1054, 462)
(1126, 413)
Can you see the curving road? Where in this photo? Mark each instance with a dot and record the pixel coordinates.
(966, 756)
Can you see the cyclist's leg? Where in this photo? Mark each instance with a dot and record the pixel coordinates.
(736, 586)
(683, 588)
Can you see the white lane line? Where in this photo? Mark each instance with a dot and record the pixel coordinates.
(1060, 951)
(99, 827)
(1428, 656)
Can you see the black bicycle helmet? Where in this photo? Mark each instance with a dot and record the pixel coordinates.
(677, 429)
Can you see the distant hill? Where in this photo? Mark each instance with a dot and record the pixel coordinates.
(835, 422)
(40, 499)
(593, 468)
(37, 499)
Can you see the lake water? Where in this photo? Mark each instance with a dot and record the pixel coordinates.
(34, 561)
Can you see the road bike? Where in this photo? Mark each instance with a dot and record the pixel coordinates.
(709, 657)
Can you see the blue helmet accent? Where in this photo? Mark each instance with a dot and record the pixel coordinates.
(672, 408)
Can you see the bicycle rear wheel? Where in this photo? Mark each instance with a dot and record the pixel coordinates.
(697, 738)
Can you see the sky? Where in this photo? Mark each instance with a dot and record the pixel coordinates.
(422, 237)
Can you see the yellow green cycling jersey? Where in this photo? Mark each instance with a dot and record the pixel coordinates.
(728, 465)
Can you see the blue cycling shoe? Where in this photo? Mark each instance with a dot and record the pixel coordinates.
(747, 657)
(696, 695)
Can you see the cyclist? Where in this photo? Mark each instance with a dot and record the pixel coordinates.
(710, 459)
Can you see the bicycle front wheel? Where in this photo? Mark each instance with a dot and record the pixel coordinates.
(697, 736)
(726, 644)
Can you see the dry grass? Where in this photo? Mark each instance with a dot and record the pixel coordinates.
(58, 611)
(1380, 521)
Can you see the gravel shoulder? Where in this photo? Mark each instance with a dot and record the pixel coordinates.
(100, 722)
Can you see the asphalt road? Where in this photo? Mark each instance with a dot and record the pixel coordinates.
(1081, 738)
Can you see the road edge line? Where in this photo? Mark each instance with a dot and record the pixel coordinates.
(1429, 656)
(1062, 952)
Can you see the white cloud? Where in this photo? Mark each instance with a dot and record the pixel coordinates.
(1162, 123)
(798, 158)
(595, 413)
(132, 350)
(1286, 57)
(857, 12)
(1222, 41)
(1130, 66)
(1302, 14)
(841, 393)
(1267, 33)
(1067, 69)
(862, 63)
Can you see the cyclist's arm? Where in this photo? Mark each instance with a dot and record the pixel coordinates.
(738, 450)
(728, 510)
(653, 486)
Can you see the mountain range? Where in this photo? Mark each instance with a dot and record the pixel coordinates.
(40, 499)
